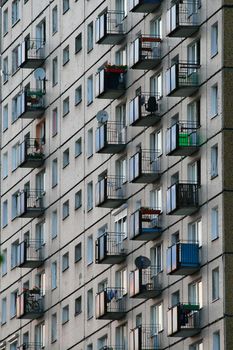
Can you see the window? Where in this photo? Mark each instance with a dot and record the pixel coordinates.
(214, 223)
(156, 198)
(54, 224)
(90, 196)
(66, 106)
(197, 346)
(4, 213)
(55, 71)
(15, 12)
(156, 87)
(194, 172)
(102, 342)
(90, 37)
(65, 261)
(215, 284)
(66, 157)
(16, 107)
(78, 95)
(156, 27)
(89, 250)
(195, 295)
(4, 262)
(54, 20)
(40, 180)
(216, 340)
(121, 170)
(5, 22)
(13, 303)
(3, 318)
(66, 55)
(195, 232)
(89, 304)
(121, 337)
(78, 306)
(40, 334)
(78, 252)
(157, 257)
(121, 56)
(14, 346)
(156, 144)
(40, 282)
(120, 225)
(214, 39)
(54, 275)
(14, 254)
(16, 54)
(194, 53)
(66, 5)
(65, 210)
(55, 122)
(5, 72)
(15, 154)
(156, 314)
(78, 43)
(90, 143)
(214, 161)
(40, 234)
(122, 280)
(5, 118)
(65, 314)
(5, 165)
(214, 101)
(54, 172)
(78, 147)
(89, 90)
(54, 328)
(78, 199)
(175, 298)
(89, 347)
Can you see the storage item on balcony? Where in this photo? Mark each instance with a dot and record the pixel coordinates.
(111, 82)
(110, 27)
(30, 203)
(182, 198)
(110, 304)
(183, 258)
(31, 346)
(110, 248)
(183, 18)
(32, 53)
(31, 153)
(144, 6)
(145, 109)
(110, 137)
(145, 52)
(145, 283)
(30, 253)
(145, 338)
(183, 320)
(183, 139)
(145, 224)
(32, 104)
(183, 79)
(110, 192)
(30, 304)
(145, 166)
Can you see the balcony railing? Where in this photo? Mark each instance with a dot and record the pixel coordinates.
(31, 346)
(30, 203)
(183, 79)
(182, 199)
(32, 53)
(111, 82)
(145, 52)
(33, 105)
(144, 6)
(146, 338)
(183, 320)
(110, 192)
(183, 138)
(183, 258)
(30, 253)
(31, 153)
(110, 248)
(111, 304)
(113, 347)
(145, 109)
(183, 18)
(110, 28)
(110, 138)
(145, 224)
(145, 283)
(145, 166)
(30, 304)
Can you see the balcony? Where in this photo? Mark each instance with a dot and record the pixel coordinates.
(30, 254)
(145, 224)
(145, 283)
(30, 204)
(182, 199)
(183, 139)
(145, 52)
(183, 320)
(30, 304)
(111, 304)
(110, 138)
(110, 248)
(183, 79)
(183, 259)
(32, 54)
(32, 104)
(31, 153)
(110, 192)
(183, 18)
(110, 28)
(145, 110)
(111, 82)
(145, 167)
(31, 346)
(146, 338)
(144, 6)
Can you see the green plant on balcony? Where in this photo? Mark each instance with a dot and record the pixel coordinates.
(114, 68)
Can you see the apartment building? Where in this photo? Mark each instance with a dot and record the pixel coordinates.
(116, 181)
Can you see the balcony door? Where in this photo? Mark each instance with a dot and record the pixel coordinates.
(121, 337)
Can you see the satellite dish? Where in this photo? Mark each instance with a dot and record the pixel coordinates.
(39, 74)
(102, 116)
(142, 262)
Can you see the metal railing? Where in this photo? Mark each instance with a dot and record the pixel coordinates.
(34, 49)
(182, 194)
(31, 346)
(111, 22)
(147, 337)
(34, 249)
(150, 161)
(34, 99)
(110, 243)
(34, 198)
(110, 187)
(112, 133)
(115, 298)
(33, 148)
(188, 73)
(188, 315)
(185, 13)
(183, 134)
(149, 47)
